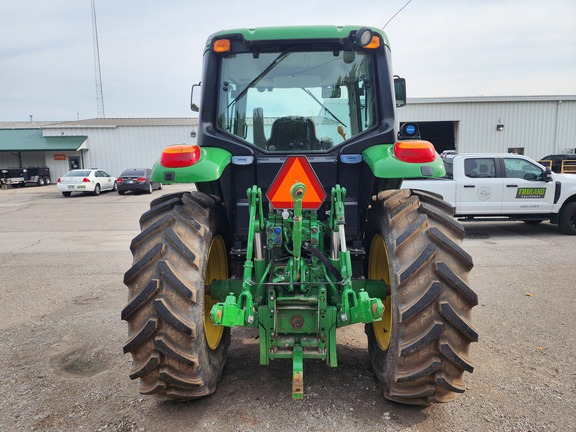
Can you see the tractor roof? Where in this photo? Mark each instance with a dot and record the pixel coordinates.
(262, 34)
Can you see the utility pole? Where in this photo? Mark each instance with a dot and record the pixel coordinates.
(98, 73)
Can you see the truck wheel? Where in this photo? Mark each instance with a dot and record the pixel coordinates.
(47, 180)
(40, 181)
(567, 219)
(419, 351)
(177, 353)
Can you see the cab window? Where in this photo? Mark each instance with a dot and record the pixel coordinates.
(523, 169)
(480, 168)
(293, 101)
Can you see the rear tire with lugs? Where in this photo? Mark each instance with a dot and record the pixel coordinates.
(420, 350)
(176, 351)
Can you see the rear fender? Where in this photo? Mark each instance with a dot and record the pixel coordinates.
(209, 167)
(384, 164)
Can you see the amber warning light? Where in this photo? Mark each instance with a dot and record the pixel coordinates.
(180, 156)
(222, 45)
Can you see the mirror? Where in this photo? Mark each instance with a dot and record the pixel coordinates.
(547, 174)
(400, 91)
(195, 98)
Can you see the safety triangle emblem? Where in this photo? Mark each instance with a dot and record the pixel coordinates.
(296, 169)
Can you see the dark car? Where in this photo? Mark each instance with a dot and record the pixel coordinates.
(136, 179)
(557, 159)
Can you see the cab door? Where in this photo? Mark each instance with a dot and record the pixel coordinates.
(525, 190)
(480, 190)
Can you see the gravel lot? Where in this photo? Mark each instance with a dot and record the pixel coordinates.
(62, 262)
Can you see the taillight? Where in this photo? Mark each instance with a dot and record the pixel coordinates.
(119, 180)
(85, 180)
(58, 180)
(141, 179)
(180, 156)
(415, 151)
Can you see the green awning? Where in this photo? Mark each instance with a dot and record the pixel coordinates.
(33, 140)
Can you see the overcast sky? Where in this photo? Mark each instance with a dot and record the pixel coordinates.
(151, 51)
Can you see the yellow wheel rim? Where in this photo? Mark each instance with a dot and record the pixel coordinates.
(216, 269)
(378, 270)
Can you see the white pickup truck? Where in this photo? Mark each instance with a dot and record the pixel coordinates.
(515, 187)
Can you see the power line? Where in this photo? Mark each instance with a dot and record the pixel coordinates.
(401, 9)
(97, 71)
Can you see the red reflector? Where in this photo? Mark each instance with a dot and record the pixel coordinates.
(85, 180)
(180, 156)
(415, 151)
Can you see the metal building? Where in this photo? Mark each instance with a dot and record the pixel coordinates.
(110, 144)
(532, 125)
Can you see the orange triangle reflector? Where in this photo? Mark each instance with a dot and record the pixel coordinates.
(296, 169)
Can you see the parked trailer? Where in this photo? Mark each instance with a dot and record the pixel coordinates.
(19, 177)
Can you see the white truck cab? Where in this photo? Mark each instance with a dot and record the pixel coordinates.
(482, 186)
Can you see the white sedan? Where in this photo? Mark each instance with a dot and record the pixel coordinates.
(91, 181)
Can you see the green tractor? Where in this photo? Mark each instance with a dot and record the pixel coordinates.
(297, 225)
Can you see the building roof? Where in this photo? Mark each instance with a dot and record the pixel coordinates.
(469, 99)
(33, 140)
(25, 125)
(117, 122)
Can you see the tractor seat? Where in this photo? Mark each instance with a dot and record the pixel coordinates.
(293, 133)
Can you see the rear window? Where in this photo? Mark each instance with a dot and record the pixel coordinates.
(448, 164)
(132, 172)
(78, 174)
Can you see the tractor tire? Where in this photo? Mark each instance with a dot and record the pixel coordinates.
(420, 349)
(177, 353)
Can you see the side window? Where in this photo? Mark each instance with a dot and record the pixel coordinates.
(480, 168)
(449, 168)
(523, 169)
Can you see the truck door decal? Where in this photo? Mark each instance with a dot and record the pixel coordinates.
(484, 193)
(530, 193)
